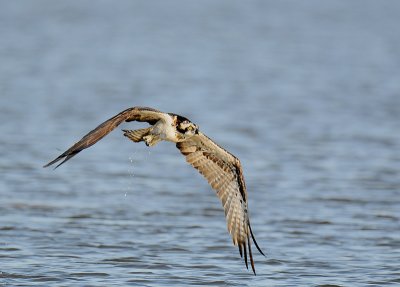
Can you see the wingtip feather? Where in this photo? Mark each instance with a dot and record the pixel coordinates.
(65, 156)
(255, 242)
(245, 256)
(240, 251)
(251, 255)
(53, 161)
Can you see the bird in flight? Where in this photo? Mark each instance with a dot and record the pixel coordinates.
(222, 170)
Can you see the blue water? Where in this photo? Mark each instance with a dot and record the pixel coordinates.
(305, 93)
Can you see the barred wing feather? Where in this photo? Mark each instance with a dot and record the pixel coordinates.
(224, 173)
(140, 114)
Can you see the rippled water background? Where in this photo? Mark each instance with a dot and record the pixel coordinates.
(305, 93)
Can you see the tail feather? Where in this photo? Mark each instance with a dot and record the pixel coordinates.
(136, 135)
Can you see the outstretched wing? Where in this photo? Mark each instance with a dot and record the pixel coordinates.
(140, 114)
(224, 173)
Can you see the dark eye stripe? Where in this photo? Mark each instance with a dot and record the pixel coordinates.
(179, 129)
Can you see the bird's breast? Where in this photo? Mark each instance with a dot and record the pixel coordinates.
(166, 130)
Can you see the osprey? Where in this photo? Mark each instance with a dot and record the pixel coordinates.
(221, 169)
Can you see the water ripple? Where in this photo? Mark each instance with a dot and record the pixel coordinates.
(305, 93)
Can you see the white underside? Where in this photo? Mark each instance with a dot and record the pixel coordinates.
(164, 129)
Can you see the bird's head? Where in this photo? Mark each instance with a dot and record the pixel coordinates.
(186, 127)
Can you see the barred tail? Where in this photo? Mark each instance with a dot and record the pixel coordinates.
(136, 135)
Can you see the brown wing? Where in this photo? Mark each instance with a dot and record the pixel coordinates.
(140, 114)
(224, 173)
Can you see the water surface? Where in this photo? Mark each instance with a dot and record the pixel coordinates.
(305, 93)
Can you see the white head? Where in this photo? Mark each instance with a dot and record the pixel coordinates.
(186, 127)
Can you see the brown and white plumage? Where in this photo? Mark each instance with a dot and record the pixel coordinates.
(222, 170)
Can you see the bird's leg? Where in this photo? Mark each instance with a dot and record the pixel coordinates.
(151, 140)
